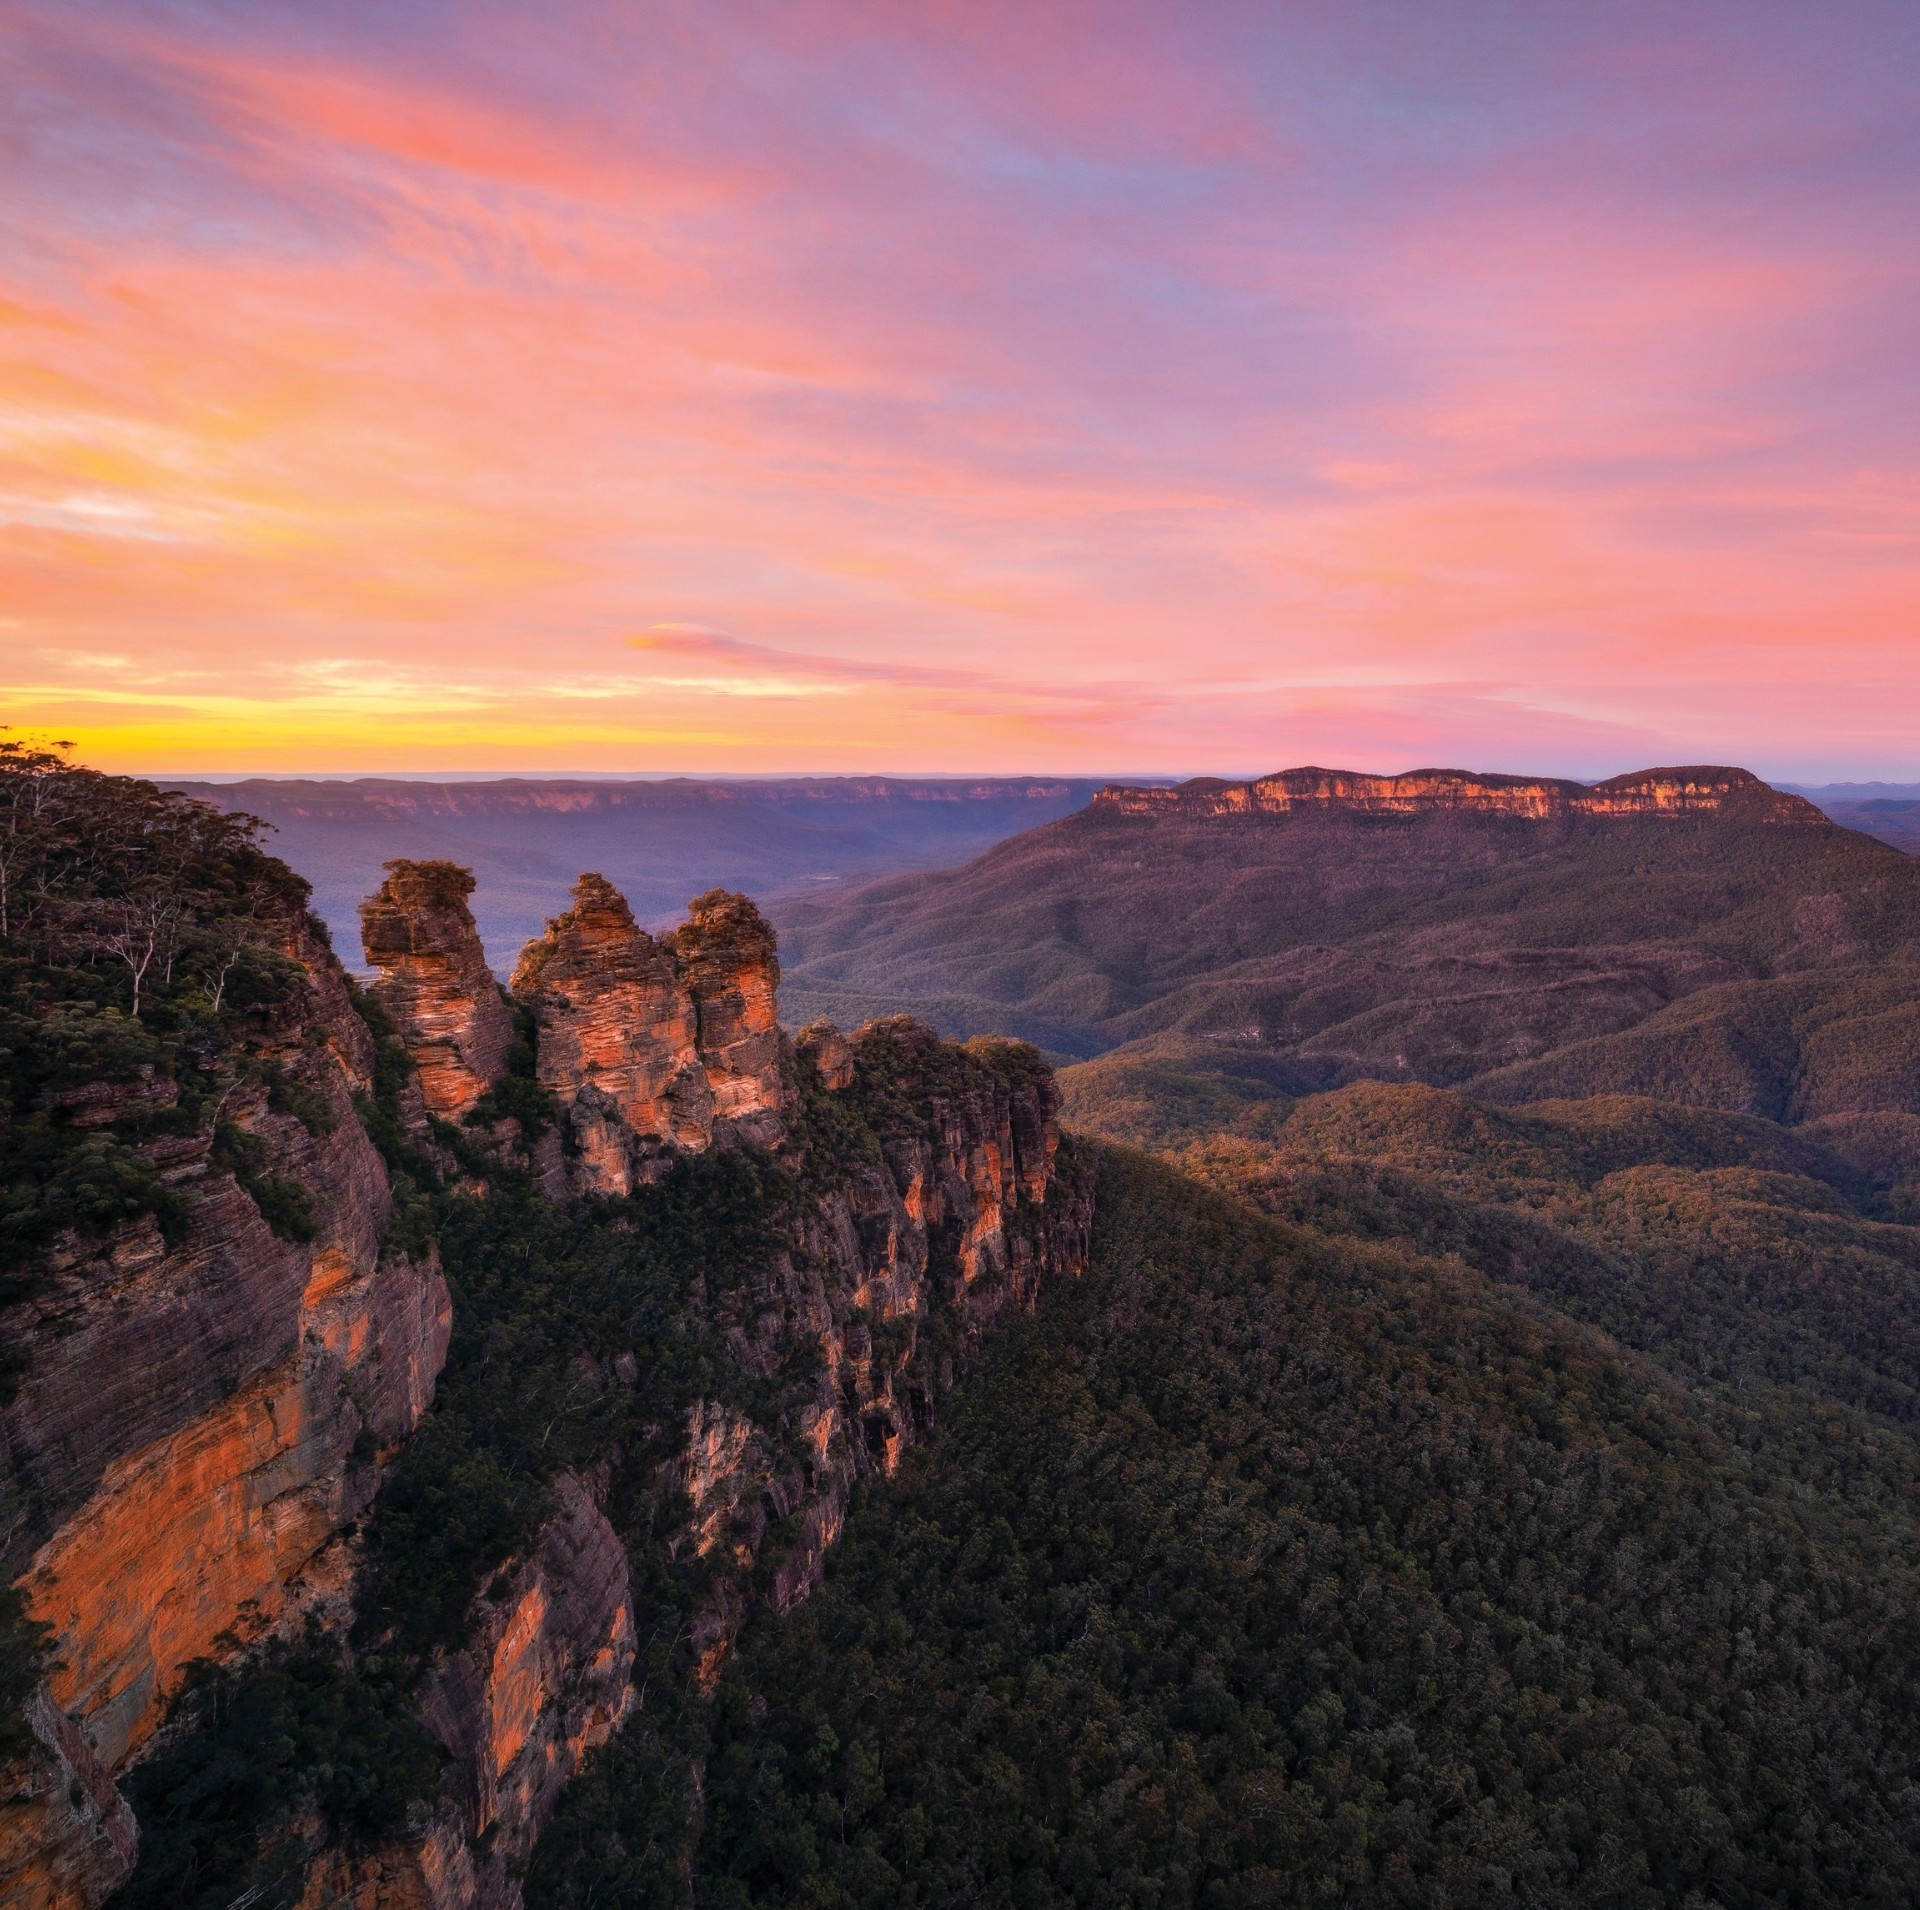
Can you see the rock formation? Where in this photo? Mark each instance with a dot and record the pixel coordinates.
(545, 1677)
(651, 1046)
(186, 1442)
(962, 1218)
(1645, 792)
(618, 1039)
(727, 951)
(830, 1053)
(434, 981)
(204, 1411)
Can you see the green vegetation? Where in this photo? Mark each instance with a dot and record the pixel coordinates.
(1436, 949)
(1793, 1049)
(22, 1641)
(267, 1760)
(722, 933)
(1268, 1568)
(1165, 1091)
(137, 955)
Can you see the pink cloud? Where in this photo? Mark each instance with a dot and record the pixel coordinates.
(1139, 379)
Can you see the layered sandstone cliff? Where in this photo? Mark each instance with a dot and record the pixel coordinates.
(419, 935)
(1647, 792)
(199, 1418)
(544, 1677)
(951, 1209)
(648, 1046)
(901, 1263)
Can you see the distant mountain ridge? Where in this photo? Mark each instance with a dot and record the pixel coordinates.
(526, 838)
(1647, 792)
(1890, 811)
(1436, 927)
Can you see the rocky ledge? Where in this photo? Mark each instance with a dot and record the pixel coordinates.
(1427, 792)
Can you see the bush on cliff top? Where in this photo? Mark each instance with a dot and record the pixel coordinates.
(136, 954)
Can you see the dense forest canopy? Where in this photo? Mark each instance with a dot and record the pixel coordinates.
(1274, 1565)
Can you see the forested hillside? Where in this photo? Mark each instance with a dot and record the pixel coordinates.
(1455, 935)
(1313, 1561)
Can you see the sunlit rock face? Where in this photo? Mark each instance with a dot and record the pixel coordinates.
(618, 1038)
(727, 952)
(420, 936)
(653, 1046)
(1645, 792)
(185, 1443)
(545, 1677)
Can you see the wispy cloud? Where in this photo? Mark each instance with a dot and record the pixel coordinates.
(1077, 384)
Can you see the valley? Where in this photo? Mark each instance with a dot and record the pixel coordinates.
(1426, 1411)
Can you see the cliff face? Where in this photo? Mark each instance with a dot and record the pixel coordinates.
(914, 1253)
(434, 982)
(545, 1677)
(650, 1047)
(950, 1209)
(1647, 792)
(206, 1407)
(183, 1441)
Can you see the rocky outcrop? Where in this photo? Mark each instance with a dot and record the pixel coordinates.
(187, 1437)
(958, 1220)
(654, 1046)
(419, 935)
(727, 951)
(618, 1039)
(1646, 792)
(828, 1052)
(67, 1837)
(545, 1677)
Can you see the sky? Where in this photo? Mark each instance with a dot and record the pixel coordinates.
(824, 385)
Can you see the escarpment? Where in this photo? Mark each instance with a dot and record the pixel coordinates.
(205, 1387)
(1645, 792)
(1437, 926)
(708, 1278)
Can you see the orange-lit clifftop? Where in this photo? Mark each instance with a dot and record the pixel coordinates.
(434, 982)
(651, 1046)
(1642, 792)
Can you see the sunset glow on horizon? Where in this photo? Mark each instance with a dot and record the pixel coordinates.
(821, 387)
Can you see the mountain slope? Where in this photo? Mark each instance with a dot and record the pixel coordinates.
(1890, 811)
(1471, 924)
(1271, 1564)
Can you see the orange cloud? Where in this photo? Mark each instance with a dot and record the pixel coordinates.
(1099, 389)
